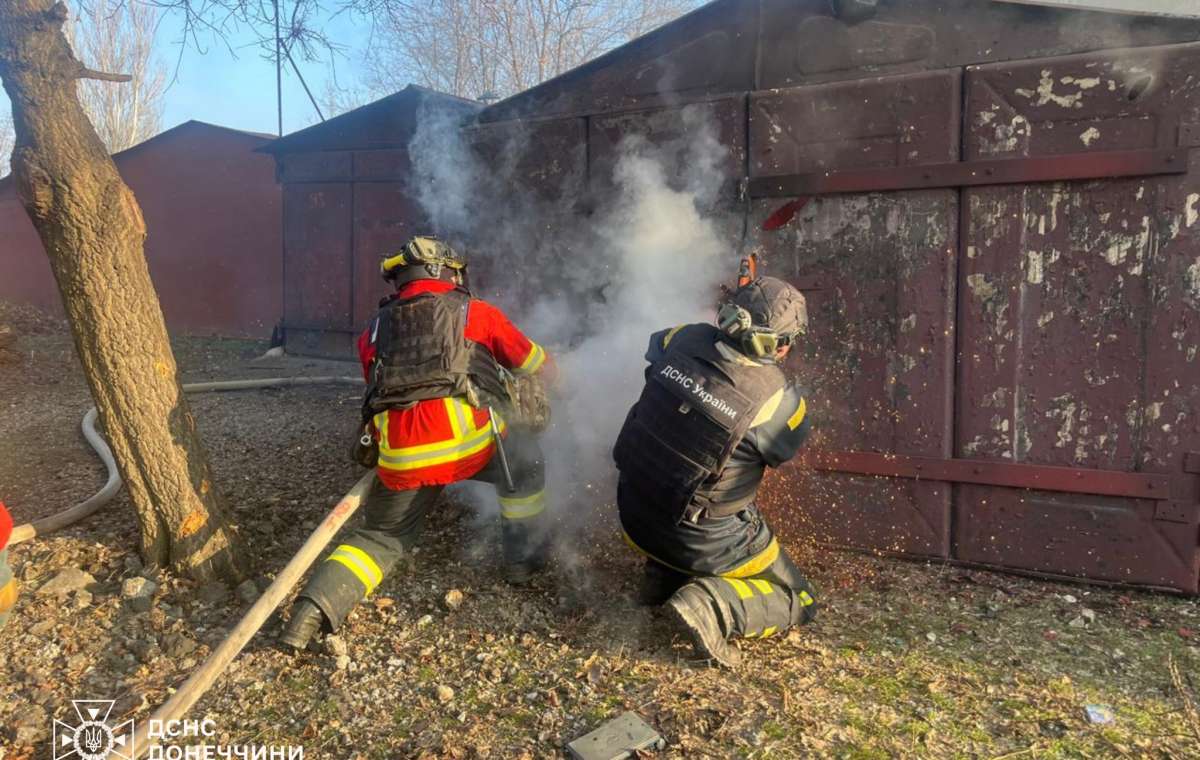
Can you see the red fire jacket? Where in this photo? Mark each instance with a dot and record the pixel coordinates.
(441, 441)
(5, 526)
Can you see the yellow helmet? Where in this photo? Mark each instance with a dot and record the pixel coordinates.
(422, 256)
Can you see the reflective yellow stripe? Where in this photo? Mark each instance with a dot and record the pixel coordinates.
(365, 558)
(349, 563)
(8, 595)
(767, 410)
(426, 456)
(454, 413)
(797, 416)
(741, 587)
(750, 635)
(667, 339)
(535, 360)
(768, 631)
(360, 563)
(633, 545)
(381, 424)
(461, 417)
(805, 599)
(756, 564)
(763, 587)
(522, 507)
(467, 439)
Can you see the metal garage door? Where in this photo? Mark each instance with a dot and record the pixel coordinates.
(1007, 365)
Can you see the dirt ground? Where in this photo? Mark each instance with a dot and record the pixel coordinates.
(905, 660)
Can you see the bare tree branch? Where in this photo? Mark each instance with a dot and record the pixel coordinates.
(118, 35)
(100, 76)
(472, 47)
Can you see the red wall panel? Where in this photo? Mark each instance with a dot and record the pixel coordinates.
(213, 244)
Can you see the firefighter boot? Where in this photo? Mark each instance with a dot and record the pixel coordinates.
(306, 621)
(521, 572)
(693, 610)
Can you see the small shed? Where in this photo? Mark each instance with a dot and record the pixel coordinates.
(995, 213)
(346, 200)
(211, 208)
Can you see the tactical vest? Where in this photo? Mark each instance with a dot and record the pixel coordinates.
(421, 353)
(694, 410)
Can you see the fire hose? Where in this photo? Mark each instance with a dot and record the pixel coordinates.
(83, 509)
(203, 677)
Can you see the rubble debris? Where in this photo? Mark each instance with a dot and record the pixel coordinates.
(67, 580)
(139, 593)
(617, 739)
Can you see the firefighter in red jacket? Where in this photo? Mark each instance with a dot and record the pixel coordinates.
(8, 584)
(432, 358)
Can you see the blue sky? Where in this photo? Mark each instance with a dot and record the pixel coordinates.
(238, 89)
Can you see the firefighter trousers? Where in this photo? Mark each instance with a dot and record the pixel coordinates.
(394, 521)
(754, 587)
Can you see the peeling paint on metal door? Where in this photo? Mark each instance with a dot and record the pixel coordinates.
(878, 272)
(1077, 341)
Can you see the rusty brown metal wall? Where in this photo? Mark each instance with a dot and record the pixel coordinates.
(346, 201)
(342, 210)
(1052, 324)
(212, 212)
(1001, 259)
(1078, 318)
(878, 271)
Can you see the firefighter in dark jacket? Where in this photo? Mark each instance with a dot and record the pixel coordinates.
(432, 358)
(715, 412)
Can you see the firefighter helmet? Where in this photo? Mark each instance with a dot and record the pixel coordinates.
(762, 317)
(421, 257)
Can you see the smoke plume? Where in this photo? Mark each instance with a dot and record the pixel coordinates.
(589, 274)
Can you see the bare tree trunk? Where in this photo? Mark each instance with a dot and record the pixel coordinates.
(92, 229)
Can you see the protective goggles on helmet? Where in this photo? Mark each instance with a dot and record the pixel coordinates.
(425, 251)
(755, 341)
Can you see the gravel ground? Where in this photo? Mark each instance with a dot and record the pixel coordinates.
(906, 660)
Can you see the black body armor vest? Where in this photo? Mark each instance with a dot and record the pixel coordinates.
(421, 353)
(695, 409)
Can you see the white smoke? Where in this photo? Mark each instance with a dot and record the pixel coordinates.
(666, 260)
(591, 288)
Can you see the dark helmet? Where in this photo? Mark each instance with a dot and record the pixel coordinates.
(422, 257)
(763, 316)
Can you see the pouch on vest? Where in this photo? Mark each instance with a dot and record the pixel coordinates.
(366, 449)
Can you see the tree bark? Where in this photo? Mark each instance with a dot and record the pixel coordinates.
(92, 230)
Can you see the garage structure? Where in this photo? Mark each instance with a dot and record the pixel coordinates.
(211, 208)
(346, 200)
(995, 215)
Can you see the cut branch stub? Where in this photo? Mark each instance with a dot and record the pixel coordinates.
(103, 76)
(92, 231)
